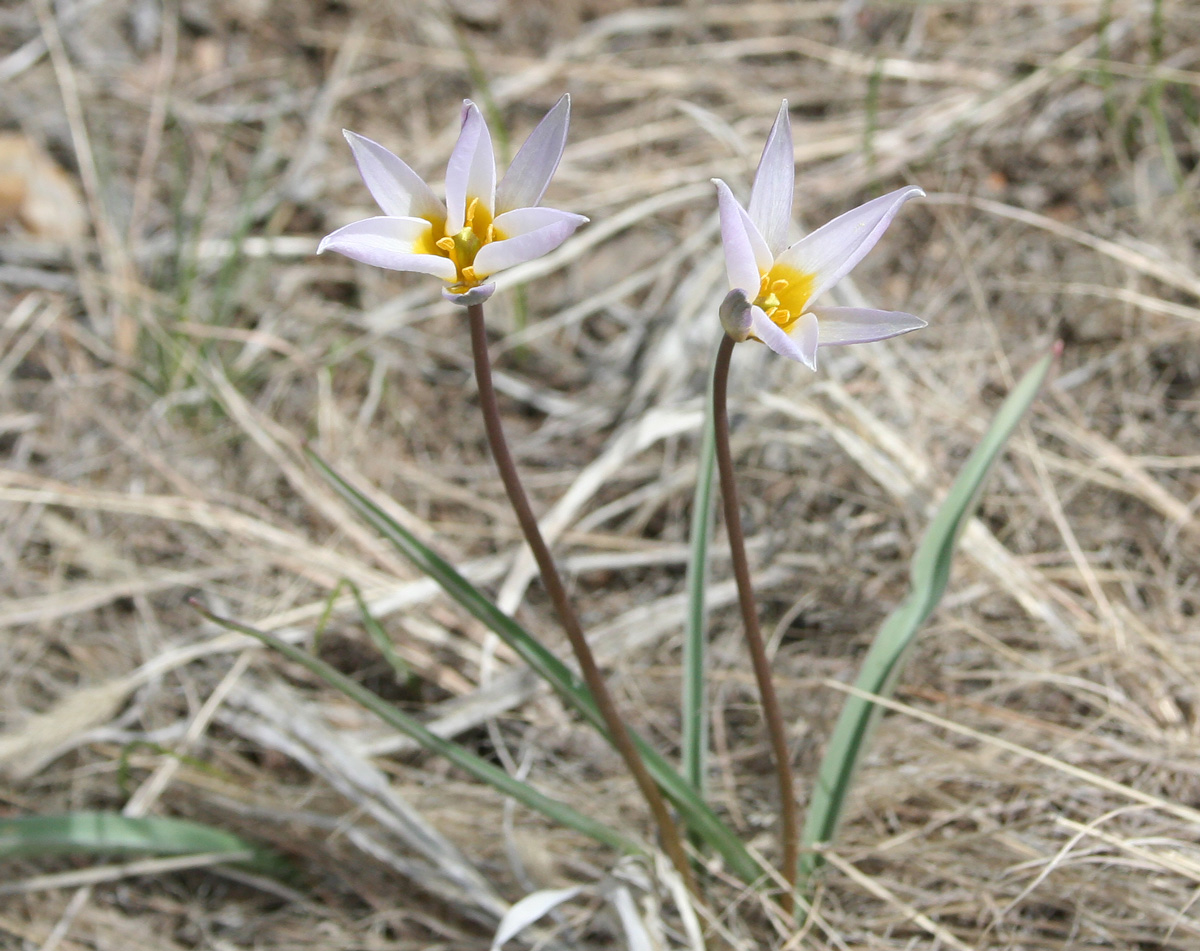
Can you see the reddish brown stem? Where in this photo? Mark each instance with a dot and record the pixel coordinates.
(789, 829)
(618, 734)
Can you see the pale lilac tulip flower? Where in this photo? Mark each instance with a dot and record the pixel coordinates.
(773, 284)
(482, 228)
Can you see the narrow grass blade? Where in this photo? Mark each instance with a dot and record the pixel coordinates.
(884, 662)
(109, 833)
(379, 637)
(695, 813)
(374, 630)
(465, 760)
(695, 638)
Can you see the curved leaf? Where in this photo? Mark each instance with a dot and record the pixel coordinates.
(930, 571)
(461, 757)
(108, 833)
(694, 811)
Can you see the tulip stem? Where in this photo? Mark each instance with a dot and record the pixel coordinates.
(789, 831)
(618, 733)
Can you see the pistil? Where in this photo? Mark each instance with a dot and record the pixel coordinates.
(478, 230)
(774, 291)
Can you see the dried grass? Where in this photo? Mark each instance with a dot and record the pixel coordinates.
(1037, 785)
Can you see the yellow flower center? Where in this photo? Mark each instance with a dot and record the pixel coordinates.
(783, 294)
(461, 248)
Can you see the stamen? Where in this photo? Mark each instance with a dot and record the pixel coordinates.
(468, 275)
(490, 235)
(781, 317)
(446, 244)
(779, 286)
(470, 217)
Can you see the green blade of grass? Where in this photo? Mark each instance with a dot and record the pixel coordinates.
(695, 639)
(374, 629)
(379, 637)
(930, 571)
(694, 811)
(465, 760)
(108, 833)
(1156, 95)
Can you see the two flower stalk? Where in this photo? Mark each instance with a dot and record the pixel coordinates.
(485, 227)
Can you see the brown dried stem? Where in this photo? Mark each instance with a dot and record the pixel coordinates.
(558, 595)
(789, 829)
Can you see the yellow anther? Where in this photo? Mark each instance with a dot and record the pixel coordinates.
(446, 244)
(490, 235)
(470, 216)
(779, 286)
(781, 317)
(468, 275)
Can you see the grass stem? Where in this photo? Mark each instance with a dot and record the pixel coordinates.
(618, 732)
(789, 829)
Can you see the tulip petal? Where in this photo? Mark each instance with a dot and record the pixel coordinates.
(771, 197)
(743, 245)
(474, 295)
(528, 233)
(397, 189)
(763, 258)
(530, 172)
(800, 345)
(845, 325)
(830, 252)
(390, 243)
(471, 171)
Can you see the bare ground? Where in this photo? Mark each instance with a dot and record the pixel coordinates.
(1038, 786)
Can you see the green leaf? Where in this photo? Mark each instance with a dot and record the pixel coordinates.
(930, 571)
(107, 833)
(695, 813)
(374, 629)
(695, 638)
(465, 760)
